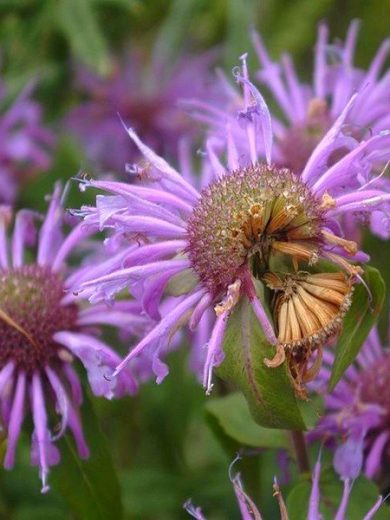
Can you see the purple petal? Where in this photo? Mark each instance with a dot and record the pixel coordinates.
(16, 419)
(215, 354)
(43, 452)
(162, 330)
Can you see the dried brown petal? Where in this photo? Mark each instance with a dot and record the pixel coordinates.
(307, 314)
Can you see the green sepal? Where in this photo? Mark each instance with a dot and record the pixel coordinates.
(358, 322)
(268, 391)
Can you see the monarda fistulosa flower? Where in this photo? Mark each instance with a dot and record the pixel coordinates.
(26, 143)
(254, 225)
(44, 331)
(144, 91)
(357, 413)
(309, 110)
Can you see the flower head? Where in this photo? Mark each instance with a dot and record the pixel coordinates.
(145, 95)
(308, 111)
(44, 330)
(254, 225)
(26, 143)
(357, 417)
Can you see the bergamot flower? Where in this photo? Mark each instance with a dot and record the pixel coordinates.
(254, 226)
(357, 412)
(26, 144)
(45, 332)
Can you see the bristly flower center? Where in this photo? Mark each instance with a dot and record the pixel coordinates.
(30, 313)
(249, 216)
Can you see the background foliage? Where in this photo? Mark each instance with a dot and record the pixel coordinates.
(153, 451)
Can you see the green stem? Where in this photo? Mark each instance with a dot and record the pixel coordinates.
(299, 442)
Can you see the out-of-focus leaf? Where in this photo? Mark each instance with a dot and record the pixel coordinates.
(294, 28)
(363, 496)
(174, 31)
(150, 491)
(241, 16)
(269, 391)
(78, 21)
(127, 5)
(358, 322)
(38, 512)
(380, 253)
(66, 165)
(234, 418)
(90, 487)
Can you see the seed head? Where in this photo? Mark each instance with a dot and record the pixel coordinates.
(249, 216)
(308, 309)
(30, 313)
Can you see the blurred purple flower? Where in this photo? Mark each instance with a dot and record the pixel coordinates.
(309, 110)
(26, 144)
(315, 496)
(206, 243)
(357, 418)
(143, 94)
(249, 510)
(44, 329)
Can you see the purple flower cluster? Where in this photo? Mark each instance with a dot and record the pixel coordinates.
(44, 331)
(266, 229)
(357, 418)
(309, 110)
(203, 238)
(26, 143)
(147, 96)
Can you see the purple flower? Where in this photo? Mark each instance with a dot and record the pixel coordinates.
(44, 330)
(199, 254)
(144, 94)
(249, 510)
(26, 143)
(309, 110)
(315, 496)
(357, 417)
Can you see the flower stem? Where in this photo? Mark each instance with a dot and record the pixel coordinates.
(299, 442)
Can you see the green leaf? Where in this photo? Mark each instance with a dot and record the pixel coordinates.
(77, 20)
(269, 391)
(33, 512)
(234, 418)
(358, 322)
(66, 164)
(173, 33)
(90, 487)
(240, 17)
(363, 496)
(303, 16)
(149, 491)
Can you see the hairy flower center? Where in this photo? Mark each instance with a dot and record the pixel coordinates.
(248, 216)
(30, 313)
(375, 384)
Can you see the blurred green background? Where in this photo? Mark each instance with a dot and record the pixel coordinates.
(163, 448)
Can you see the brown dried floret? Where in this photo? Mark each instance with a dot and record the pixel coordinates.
(308, 309)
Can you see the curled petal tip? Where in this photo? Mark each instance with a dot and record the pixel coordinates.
(278, 358)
